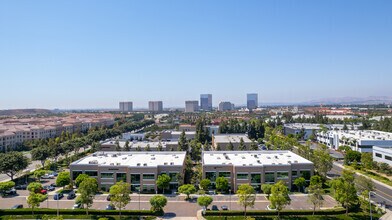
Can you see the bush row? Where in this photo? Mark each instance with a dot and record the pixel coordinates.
(335, 211)
(77, 212)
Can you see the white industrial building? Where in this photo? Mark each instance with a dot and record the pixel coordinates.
(382, 155)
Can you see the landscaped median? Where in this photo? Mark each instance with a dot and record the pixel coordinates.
(6, 213)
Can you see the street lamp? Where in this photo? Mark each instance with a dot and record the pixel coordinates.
(370, 204)
(230, 198)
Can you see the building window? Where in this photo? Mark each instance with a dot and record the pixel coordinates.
(75, 174)
(294, 173)
(305, 174)
(148, 176)
(255, 178)
(211, 176)
(106, 175)
(148, 188)
(242, 176)
(121, 177)
(135, 187)
(282, 175)
(388, 157)
(269, 177)
(135, 178)
(91, 173)
(378, 155)
(224, 174)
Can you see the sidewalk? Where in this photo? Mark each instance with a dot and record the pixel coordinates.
(387, 215)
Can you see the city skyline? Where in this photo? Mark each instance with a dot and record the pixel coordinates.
(69, 56)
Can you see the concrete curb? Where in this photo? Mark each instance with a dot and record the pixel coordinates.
(199, 215)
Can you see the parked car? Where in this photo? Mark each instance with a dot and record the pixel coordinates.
(108, 197)
(77, 206)
(54, 173)
(10, 191)
(47, 176)
(58, 196)
(23, 187)
(43, 191)
(53, 184)
(71, 195)
(224, 207)
(214, 208)
(19, 206)
(110, 207)
(49, 188)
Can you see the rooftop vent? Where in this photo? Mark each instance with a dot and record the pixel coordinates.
(153, 158)
(118, 164)
(94, 155)
(111, 164)
(165, 163)
(145, 164)
(295, 161)
(171, 163)
(93, 162)
(138, 164)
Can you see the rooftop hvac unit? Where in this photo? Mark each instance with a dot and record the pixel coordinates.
(153, 158)
(295, 161)
(171, 163)
(138, 164)
(118, 164)
(145, 164)
(165, 163)
(111, 164)
(93, 162)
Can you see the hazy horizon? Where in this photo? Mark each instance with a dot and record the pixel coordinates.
(93, 54)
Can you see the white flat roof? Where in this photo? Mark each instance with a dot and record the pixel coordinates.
(233, 138)
(135, 144)
(363, 134)
(252, 158)
(134, 159)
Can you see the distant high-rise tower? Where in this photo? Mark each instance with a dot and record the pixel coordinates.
(191, 106)
(206, 102)
(155, 106)
(126, 106)
(252, 101)
(225, 106)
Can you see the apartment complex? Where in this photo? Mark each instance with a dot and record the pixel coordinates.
(206, 102)
(255, 167)
(225, 106)
(140, 169)
(251, 101)
(126, 106)
(16, 131)
(362, 141)
(191, 106)
(382, 155)
(155, 106)
(225, 141)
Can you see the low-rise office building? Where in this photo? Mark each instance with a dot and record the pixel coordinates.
(173, 136)
(362, 141)
(111, 145)
(140, 169)
(382, 155)
(255, 167)
(225, 141)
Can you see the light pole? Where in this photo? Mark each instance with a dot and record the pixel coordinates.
(230, 198)
(370, 204)
(139, 198)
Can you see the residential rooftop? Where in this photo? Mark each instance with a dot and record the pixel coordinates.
(134, 159)
(252, 158)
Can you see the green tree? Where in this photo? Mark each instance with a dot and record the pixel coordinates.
(40, 153)
(344, 190)
(254, 146)
(127, 147)
(323, 161)
(204, 201)
(242, 145)
(80, 179)
(120, 195)
(34, 200)
(222, 184)
(163, 182)
(38, 174)
(34, 187)
(182, 142)
(352, 156)
(160, 148)
(246, 196)
(266, 188)
(367, 160)
(279, 196)
(316, 192)
(187, 189)
(63, 179)
(300, 183)
(158, 202)
(148, 148)
(230, 146)
(87, 190)
(205, 184)
(13, 162)
(138, 148)
(4, 186)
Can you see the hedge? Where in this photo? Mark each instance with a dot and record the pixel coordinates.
(38, 211)
(335, 211)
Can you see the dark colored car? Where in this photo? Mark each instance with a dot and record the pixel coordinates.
(19, 206)
(53, 184)
(214, 208)
(71, 195)
(58, 196)
(49, 188)
(108, 197)
(110, 207)
(23, 187)
(224, 207)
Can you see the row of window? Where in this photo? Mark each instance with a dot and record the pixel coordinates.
(135, 178)
(256, 177)
(385, 156)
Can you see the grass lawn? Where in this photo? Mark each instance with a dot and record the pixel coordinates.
(351, 216)
(371, 174)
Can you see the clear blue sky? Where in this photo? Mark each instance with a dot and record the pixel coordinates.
(87, 54)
